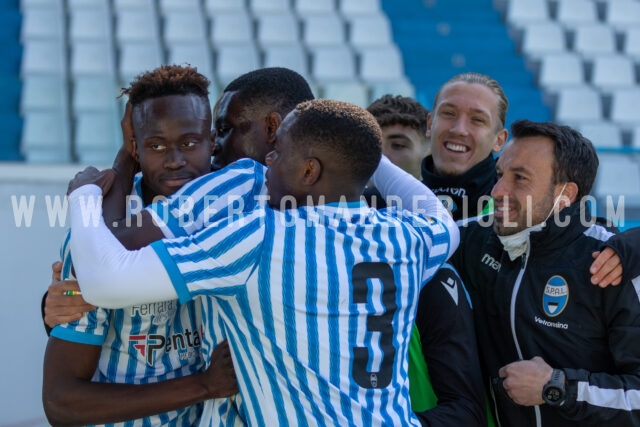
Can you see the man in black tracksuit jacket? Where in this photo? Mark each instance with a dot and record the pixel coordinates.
(539, 311)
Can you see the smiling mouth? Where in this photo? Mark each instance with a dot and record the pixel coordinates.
(176, 182)
(457, 148)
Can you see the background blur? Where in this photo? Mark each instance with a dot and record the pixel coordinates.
(574, 62)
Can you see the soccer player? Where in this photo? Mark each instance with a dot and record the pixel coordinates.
(318, 299)
(157, 342)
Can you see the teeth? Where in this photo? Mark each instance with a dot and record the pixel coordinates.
(457, 147)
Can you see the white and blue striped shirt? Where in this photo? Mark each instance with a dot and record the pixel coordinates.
(318, 303)
(149, 343)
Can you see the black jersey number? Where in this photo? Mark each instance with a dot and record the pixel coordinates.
(382, 323)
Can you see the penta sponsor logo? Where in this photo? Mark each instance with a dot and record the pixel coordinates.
(491, 262)
(556, 296)
(149, 345)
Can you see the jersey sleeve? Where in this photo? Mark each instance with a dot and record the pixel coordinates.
(611, 398)
(627, 246)
(92, 327)
(444, 321)
(226, 193)
(227, 251)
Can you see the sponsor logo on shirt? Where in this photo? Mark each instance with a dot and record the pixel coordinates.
(185, 343)
(161, 311)
(555, 297)
(491, 262)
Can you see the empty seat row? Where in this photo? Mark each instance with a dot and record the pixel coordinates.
(583, 105)
(606, 72)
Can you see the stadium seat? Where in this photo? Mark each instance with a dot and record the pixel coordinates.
(93, 24)
(45, 137)
(93, 58)
(561, 70)
(541, 38)
(278, 28)
(370, 30)
(231, 27)
(43, 92)
(576, 12)
(269, 6)
(578, 105)
(592, 40)
(333, 63)
(349, 91)
(89, 4)
(138, 57)
(184, 26)
(92, 93)
(197, 54)
(324, 29)
(613, 71)
(632, 43)
(608, 183)
(180, 5)
(97, 137)
(120, 5)
(214, 7)
(44, 57)
(234, 60)
(351, 8)
(397, 87)
(521, 12)
(42, 23)
(635, 137)
(129, 28)
(291, 56)
(623, 14)
(306, 8)
(602, 134)
(624, 107)
(381, 64)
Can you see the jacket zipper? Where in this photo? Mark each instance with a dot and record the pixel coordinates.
(512, 317)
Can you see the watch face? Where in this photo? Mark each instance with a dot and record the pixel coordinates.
(553, 394)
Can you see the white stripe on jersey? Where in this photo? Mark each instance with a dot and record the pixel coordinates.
(135, 341)
(306, 326)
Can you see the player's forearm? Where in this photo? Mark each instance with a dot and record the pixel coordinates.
(391, 180)
(109, 275)
(82, 402)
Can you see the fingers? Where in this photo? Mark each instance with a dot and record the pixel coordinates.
(606, 269)
(56, 271)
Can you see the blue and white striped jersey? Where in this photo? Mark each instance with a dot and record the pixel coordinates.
(318, 303)
(150, 343)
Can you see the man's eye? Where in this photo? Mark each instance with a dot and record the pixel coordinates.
(157, 147)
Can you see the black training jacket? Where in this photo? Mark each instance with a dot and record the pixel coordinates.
(543, 304)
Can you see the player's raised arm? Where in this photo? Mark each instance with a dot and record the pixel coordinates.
(391, 180)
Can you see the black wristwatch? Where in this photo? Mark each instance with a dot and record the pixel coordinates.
(553, 392)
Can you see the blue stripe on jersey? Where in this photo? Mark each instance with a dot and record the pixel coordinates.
(251, 417)
(77, 337)
(264, 290)
(311, 273)
(289, 313)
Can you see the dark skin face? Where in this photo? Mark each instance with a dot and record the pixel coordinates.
(242, 131)
(173, 142)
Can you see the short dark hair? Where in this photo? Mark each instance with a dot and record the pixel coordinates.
(281, 89)
(484, 80)
(167, 80)
(400, 110)
(575, 158)
(349, 131)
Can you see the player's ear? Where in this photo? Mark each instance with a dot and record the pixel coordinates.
(273, 123)
(134, 149)
(312, 171)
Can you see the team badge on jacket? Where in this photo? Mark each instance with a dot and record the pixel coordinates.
(556, 296)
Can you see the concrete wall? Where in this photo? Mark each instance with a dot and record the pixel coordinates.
(27, 253)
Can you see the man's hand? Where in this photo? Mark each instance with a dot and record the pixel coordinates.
(524, 380)
(606, 269)
(60, 308)
(126, 124)
(103, 179)
(220, 378)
